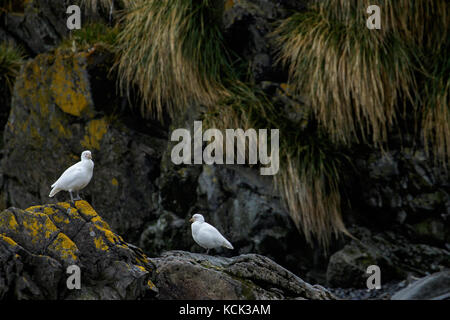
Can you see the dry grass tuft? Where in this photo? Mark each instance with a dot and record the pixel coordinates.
(354, 77)
(173, 52)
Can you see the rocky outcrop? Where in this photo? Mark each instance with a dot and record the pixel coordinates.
(404, 188)
(184, 275)
(38, 244)
(433, 287)
(37, 25)
(393, 253)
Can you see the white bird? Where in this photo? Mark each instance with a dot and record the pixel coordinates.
(75, 177)
(206, 236)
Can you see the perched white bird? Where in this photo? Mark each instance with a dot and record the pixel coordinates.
(75, 177)
(206, 235)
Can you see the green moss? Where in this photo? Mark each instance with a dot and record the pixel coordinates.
(91, 34)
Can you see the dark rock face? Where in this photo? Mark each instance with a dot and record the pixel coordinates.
(433, 287)
(184, 275)
(407, 188)
(247, 26)
(53, 119)
(39, 243)
(39, 27)
(242, 205)
(393, 253)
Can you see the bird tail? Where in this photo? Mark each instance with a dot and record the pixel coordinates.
(54, 191)
(227, 244)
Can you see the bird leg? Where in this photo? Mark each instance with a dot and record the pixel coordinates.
(78, 196)
(207, 250)
(71, 197)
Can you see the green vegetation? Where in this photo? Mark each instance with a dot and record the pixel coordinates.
(95, 5)
(93, 34)
(11, 58)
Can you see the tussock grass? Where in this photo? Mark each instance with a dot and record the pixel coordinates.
(354, 77)
(11, 59)
(173, 52)
(96, 5)
(436, 109)
(310, 164)
(358, 83)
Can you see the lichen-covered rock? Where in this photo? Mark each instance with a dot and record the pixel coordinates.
(396, 257)
(184, 275)
(39, 243)
(64, 103)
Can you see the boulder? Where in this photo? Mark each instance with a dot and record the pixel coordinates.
(37, 245)
(192, 276)
(393, 253)
(433, 287)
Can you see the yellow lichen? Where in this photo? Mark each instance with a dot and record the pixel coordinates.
(95, 130)
(150, 284)
(114, 182)
(8, 240)
(8, 220)
(100, 244)
(85, 208)
(141, 268)
(109, 235)
(229, 4)
(34, 227)
(69, 85)
(64, 247)
(49, 210)
(65, 205)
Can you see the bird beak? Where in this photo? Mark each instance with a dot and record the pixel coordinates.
(191, 220)
(89, 156)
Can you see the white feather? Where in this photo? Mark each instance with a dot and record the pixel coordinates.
(75, 177)
(207, 236)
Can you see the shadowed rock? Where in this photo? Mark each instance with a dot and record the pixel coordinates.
(433, 287)
(184, 275)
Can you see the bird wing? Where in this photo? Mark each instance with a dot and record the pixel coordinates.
(69, 175)
(209, 234)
